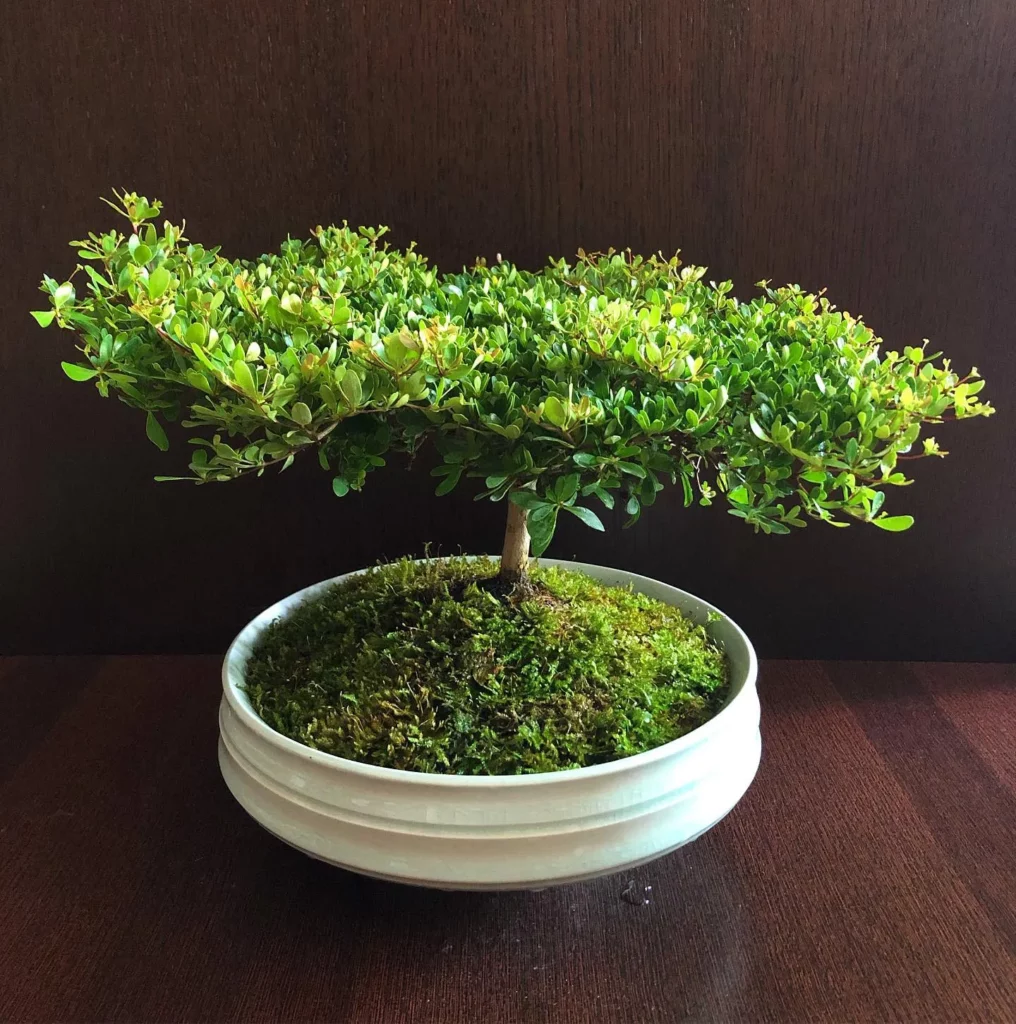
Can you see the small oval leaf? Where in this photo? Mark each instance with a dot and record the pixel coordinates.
(756, 429)
(76, 372)
(554, 411)
(542, 524)
(158, 282)
(894, 524)
(196, 334)
(243, 377)
(153, 428)
(588, 516)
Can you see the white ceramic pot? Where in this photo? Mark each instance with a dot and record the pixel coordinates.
(500, 831)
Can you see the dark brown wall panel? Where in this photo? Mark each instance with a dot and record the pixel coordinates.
(866, 147)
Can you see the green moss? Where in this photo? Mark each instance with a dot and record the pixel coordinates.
(421, 666)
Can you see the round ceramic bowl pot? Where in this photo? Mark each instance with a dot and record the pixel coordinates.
(495, 831)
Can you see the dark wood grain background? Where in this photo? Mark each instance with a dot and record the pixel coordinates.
(865, 146)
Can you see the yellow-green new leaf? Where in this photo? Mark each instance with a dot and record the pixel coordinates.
(76, 372)
(894, 524)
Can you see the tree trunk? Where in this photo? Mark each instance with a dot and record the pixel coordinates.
(515, 554)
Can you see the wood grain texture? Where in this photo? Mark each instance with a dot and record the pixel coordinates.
(867, 876)
(865, 147)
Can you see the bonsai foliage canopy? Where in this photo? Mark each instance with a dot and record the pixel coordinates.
(602, 379)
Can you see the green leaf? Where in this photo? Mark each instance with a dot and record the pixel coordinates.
(340, 485)
(542, 524)
(583, 459)
(153, 428)
(567, 487)
(76, 372)
(351, 390)
(554, 412)
(527, 499)
(198, 380)
(814, 476)
(301, 413)
(588, 516)
(894, 524)
(739, 495)
(243, 377)
(756, 429)
(196, 334)
(158, 282)
(44, 317)
(141, 254)
(604, 495)
(689, 495)
(449, 482)
(203, 358)
(98, 280)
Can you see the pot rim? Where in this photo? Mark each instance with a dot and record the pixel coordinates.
(233, 674)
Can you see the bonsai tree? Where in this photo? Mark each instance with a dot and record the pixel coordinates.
(603, 379)
(585, 383)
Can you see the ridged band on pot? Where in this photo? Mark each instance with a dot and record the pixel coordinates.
(500, 831)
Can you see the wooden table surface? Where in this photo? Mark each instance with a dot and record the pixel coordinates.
(868, 875)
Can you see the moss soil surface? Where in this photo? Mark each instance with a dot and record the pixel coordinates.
(432, 667)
